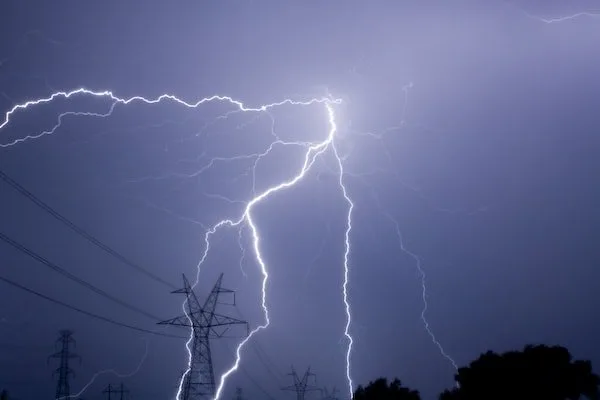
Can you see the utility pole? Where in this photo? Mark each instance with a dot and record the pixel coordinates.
(121, 391)
(63, 388)
(198, 382)
(301, 386)
(109, 391)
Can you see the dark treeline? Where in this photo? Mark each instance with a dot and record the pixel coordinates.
(536, 372)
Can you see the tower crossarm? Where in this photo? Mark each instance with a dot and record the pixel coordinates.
(222, 320)
(198, 382)
(182, 320)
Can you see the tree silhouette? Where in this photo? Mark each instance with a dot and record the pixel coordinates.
(381, 390)
(4, 395)
(537, 372)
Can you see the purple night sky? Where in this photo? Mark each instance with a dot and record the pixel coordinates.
(468, 132)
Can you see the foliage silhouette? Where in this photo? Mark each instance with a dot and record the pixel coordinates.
(536, 372)
(381, 390)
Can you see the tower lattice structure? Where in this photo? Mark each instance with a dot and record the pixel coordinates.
(301, 385)
(199, 379)
(327, 395)
(64, 371)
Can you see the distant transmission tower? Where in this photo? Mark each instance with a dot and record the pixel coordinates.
(199, 380)
(301, 386)
(121, 391)
(239, 394)
(326, 395)
(63, 389)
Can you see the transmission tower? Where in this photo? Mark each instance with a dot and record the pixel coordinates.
(301, 386)
(199, 379)
(239, 394)
(326, 395)
(121, 391)
(63, 389)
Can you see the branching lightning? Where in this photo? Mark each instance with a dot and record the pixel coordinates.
(346, 260)
(594, 14)
(118, 100)
(242, 250)
(567, 17)
(422, 276)
(313, 151)
(245, 223)
(380, 136)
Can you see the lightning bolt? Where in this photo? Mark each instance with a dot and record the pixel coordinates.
(380, 136)
(346, 266)
(242, 250)
(313, 151)
(422, 277)
(566, 17)
(110, 371)
(578, 15)
(118, 100)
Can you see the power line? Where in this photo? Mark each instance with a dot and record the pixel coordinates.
(262, 354)
(84, 312)
(24, 347)
(121, 391)
(300, 385)
(72, 277)
(327, 395)
(80, 231)
(199, 380)
(250, 378)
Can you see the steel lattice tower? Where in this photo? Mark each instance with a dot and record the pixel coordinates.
(199, 379)
(301, 386)
(326, 395)
(63, 389)
(239, 394)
